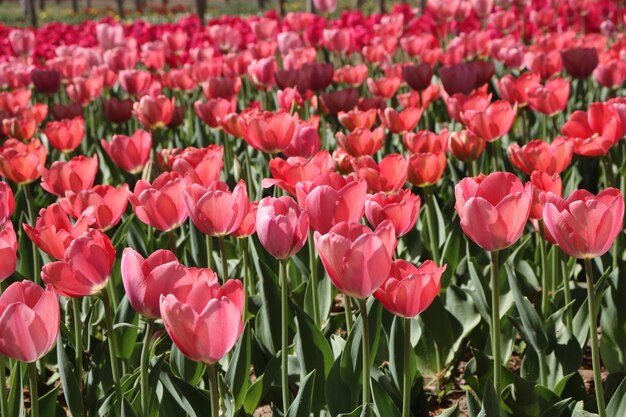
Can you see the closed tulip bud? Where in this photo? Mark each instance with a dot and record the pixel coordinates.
(22, 41)
(107, 202)
(75, 175)
(418, 76)
(154, 112)
(287, 173)
(160, 204)
(29, 321)
(409, 290)
(466, 146)
(357, 259)
(493, 211)
(339, 100)
(585, 225)
(19, 162)
(270, 132)
(580, 62)
(537, 155)
(282, 226)
(46, 81)
(66, 135)
(129, 153)
(261, 73)
(8, 250)
(401, 209)
(85, 268)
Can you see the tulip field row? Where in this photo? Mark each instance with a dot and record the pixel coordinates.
(417, 213)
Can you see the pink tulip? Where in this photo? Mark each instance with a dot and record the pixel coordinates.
(389, 175)
(401, 209)
(130, 153)
(270, 132)
(281, 226)
(7, 202)
(107, 202)
(29, 321)
(8, 250)
(160, 204)
(76, 175)
(492, 123)
(325, 6)
(66, 135)
(288, 173)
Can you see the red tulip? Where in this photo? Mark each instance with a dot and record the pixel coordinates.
(389, 175)
(428, 158)
(357, 119)
(339, 100)
(221, 87)
(466, 146)
(352, 75)
(248, 224)
(214, 210)
(401, 209)
(383, 87)
(117, 111)
(543, 183)
(409, 290)
(493, 211)
(584, 225)
(129, 153)
(8, 250)
(400, 122)
(29, 321)
(287, 173)
(270, 132)
(160, 204)
(282, 226)
(21, 127)
(361, 141)
(213, 111)
(22, 41)
(515, 90)
(19, 162)
(330, 199)
(108, 204)
(595, 131)
(120, 58)
(199, 166)
(85, 89)
(550, 99)
(66, 135)
(537, 155)
(580, 62)
(75, 175)
(135, 82)
(53, 232)
(154, 112)
(492, 123)
(14, 100)
(338, 40)
(7, 202)
(85, 268)
(145, 280)
(458, 103)
(61, 111)
(356, 259)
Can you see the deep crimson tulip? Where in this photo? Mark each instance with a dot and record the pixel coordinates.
(357, 259)
(61, 111)
(492, 123)
(401, 209)
(580, 62)
(75, 175)
(19, 162)
(352, 75)
(29, 321)
(466, 146)
(315, 77)
(611, 74)
(7, 202)
(85, 268)
(460, 78)
(537, 155)
(270, 132)
(355, 119)
(206, 322)
(160, 204)
(53, 231)
(154, 112)
(339, 100)
(330, 199)
(282, 226)
(117, 111)
(306, 140)
(213, 111)
(409, 290)
(215, 210)
(494, 210)
(585, 225)
(595, 131)
(389, 175)
(107, 202)
(8, 250)
(130, 153)
(46, 81)
(145, 280)
(66, 135)
(543, 183)
(384, 87)
(248, 224)
(418, 76)
(515, 90)
(361, 141)
(135, 82)
(199, 166)
(551, 98)
(287, 173)
(400, 122)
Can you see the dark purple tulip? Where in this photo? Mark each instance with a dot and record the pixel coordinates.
(417, 76)
(46, 81)
(580, 62)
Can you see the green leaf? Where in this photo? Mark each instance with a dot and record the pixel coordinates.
(301, 405)
(451, 412)
(193, 400)
(396, 354)
(491, 402)
(259, 388)
(71, 389)
(185, 368)
(341, 397)
(267, 321)
(238, 373)
(48, 403)
(480, 291)
(617, 405)
(126, 335)
(384, 405)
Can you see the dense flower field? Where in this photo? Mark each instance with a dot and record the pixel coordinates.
(417, 213)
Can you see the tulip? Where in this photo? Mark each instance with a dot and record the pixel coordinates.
(325, 6)
(544, 64)
(389, 175)
(542, 183)
(8, 250)
(85, 268)
(384, 87)
(611, 74)
(400, 122)
(515, 90)
(361, 141)
(550, 99)
(21, 127)
(213, 111)
(130, 153)
(22, 41)
(306, 141)
(339, 100)
(85, 89)
(418, 76)
(401, 209)
(459, 78)
(154, 112)
(492, 123)
(428, 159)
(15, 100)
(282, 226)
(537, 155)
(135, 82)
(357, 119)
(338, 40)
(287, 173)
(75, 175)
(261, 73)
(117, 111)
(594, 132)
(107, 202)
(458, 103)
(466, 146)
(46, 81)
(66, 135)
(19, 162)
(330, 199)
(270, 132)
(160, 204)
(352, 75)
(61, 111)
(580, 62)
(7, 202)
(29, 321)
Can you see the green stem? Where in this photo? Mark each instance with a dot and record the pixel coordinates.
(222, 244)
(569, 321)
(313, 269)
(247, 291)
(172, 241)
(31, 219)
(228, 152)
(34, 391)
(545, 282)
(593, 335)
(430, 223)
(215, 396)
(406, 383)
(108, 315)
(494, 154)
(543, 376)
(495, 323)
(284, 356)
(347, 308)
(366, 353)
(78, 339)
(4, 403)
(524, 138)
(149, 241)
(145, 367)
(209, 251)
